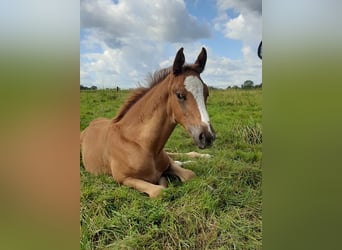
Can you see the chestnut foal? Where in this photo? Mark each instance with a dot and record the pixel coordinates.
(130, 146)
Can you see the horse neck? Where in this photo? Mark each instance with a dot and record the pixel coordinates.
(148, 121)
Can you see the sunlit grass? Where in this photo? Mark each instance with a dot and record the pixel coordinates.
(219, 209)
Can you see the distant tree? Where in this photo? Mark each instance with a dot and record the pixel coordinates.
(83, 87)
(93, 87)
(259, 86)
(247, 84)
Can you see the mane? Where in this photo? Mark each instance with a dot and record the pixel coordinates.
(152, 80)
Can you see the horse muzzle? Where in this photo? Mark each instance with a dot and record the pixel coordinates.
(203, 137)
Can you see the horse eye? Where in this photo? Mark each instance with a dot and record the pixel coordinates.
(180, 96)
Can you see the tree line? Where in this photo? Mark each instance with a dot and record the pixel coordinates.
(248, 84)
(88, 88)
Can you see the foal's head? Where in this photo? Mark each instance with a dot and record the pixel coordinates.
(188, 97)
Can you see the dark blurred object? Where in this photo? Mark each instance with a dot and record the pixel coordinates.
(260, 50)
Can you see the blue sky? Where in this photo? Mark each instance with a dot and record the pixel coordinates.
(122, 41)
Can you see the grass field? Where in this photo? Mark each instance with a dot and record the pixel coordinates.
(219, 209)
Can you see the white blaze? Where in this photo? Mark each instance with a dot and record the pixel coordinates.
(194, 85)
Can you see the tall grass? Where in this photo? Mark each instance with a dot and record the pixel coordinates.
(219, 209)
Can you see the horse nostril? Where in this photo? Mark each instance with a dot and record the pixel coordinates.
(210, 140)
(206, 139)
(202, 138)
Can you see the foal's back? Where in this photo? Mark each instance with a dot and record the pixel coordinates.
(93, 146)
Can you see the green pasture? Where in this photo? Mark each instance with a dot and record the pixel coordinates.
(219, 209)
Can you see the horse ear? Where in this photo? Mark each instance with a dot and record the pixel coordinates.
(201, 60)
(179, 62)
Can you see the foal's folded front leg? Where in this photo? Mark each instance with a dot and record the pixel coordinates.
(143, 186)
(163, 182)
(182, 173)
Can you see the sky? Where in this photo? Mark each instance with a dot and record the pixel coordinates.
(122, 41)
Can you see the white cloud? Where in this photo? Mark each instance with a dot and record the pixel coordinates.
(240, 5)
(246, 51)
(159, 20)
(127, 39)
(246, 26)
(121, 42)
(235, 27)
(223, 72)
